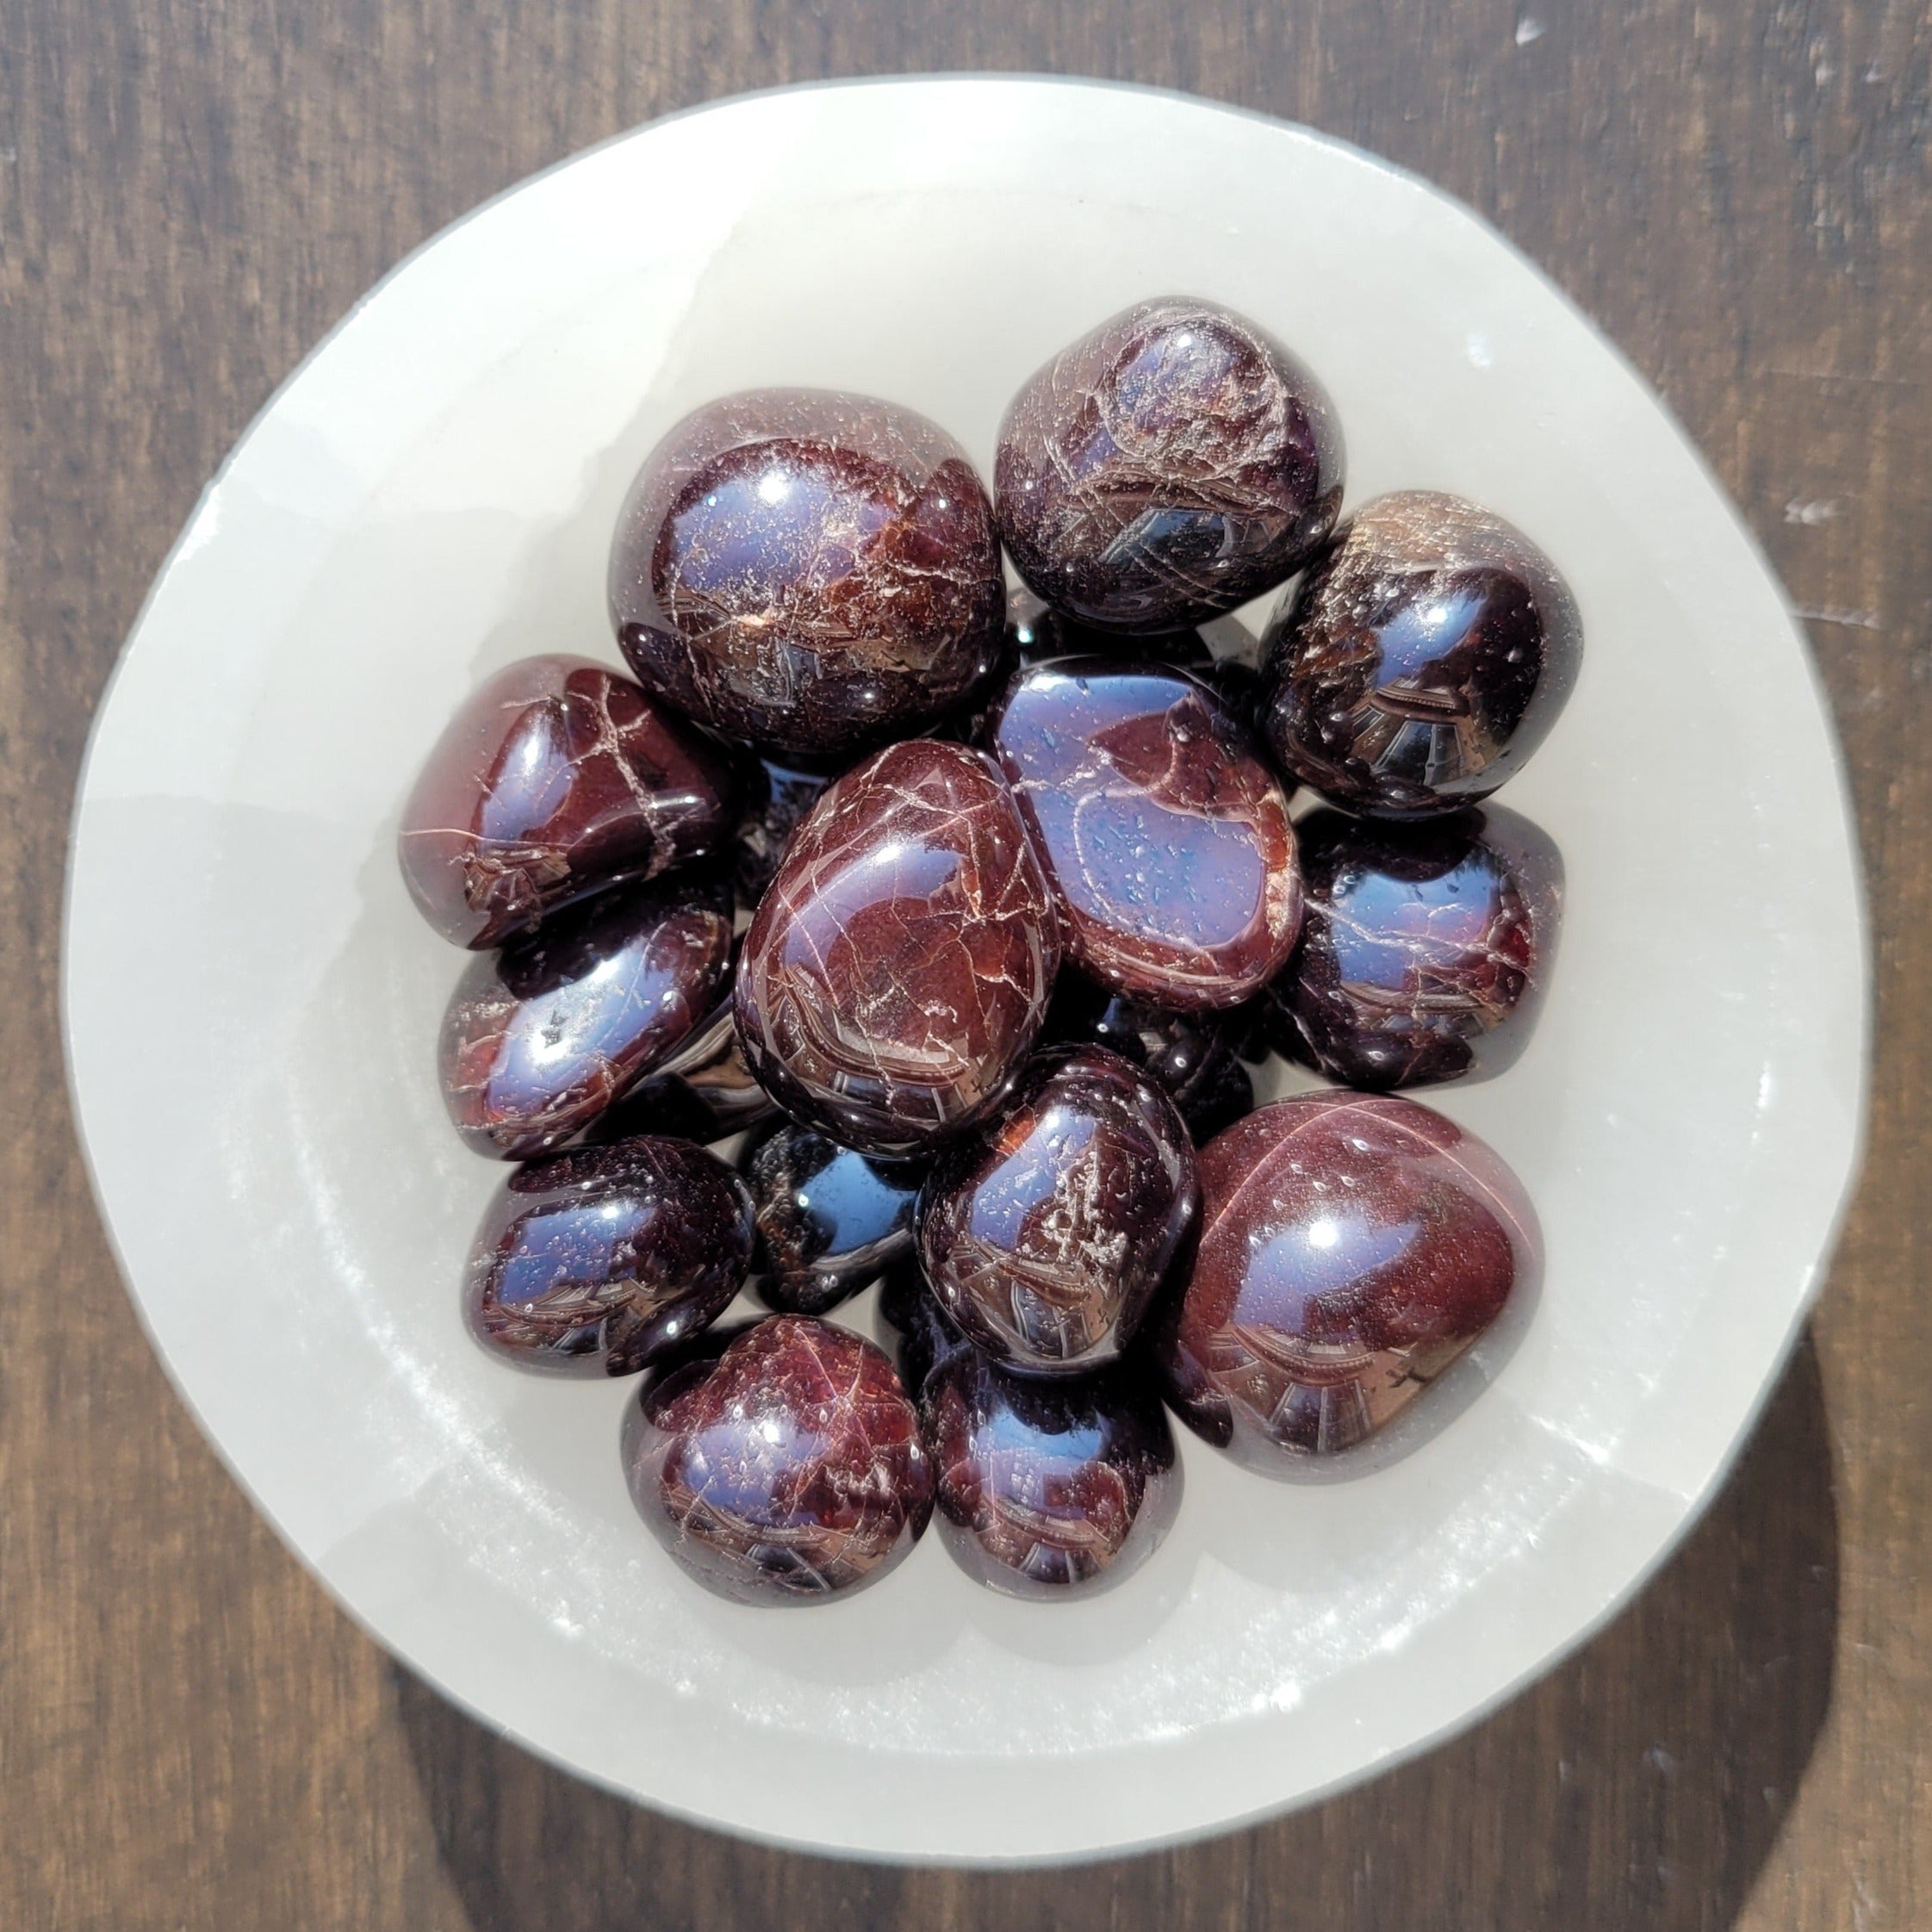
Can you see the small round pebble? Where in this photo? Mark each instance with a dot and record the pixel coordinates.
(1424, 655)
(1170, 465)
(782, 1464)
(597, 1261)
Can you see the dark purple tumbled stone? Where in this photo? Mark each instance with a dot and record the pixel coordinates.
(599, 1260)
(916, 1331)
(780, 791)
(539, 1039)
(1168, 466)
(1423, 656)
(830, 1220)
(1044, 1490)
(809, 570)
(1164, 833)
(1351, 1247)
(1227, 1096)
(898, 969)
(1427, 946)
(1038, 634)
(780, 1464)
(1183, 1050)
(556, 779)
(1047, 1237)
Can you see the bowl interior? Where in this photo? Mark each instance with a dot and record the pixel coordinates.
(253, 1003)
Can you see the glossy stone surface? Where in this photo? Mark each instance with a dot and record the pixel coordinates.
(1048, 1490)
(662, 1105)
(1038, 634)
(1163, 834)
(556, 779)
(539, 1039)
(599, 1260)
(809, 570)
(710, 1065)
(1227, 1096)
(1351, 1247)
(830, 1220)
(898, 969)
(1168, 466)
(1047, 1237)
(780, 791)
(1426, 946)
(1183, 1050)
(916, 1331)
(782, 1464)
(700, 1091)
(1424, 657)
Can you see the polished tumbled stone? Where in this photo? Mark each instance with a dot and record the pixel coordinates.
(1424, 655)
(598, 1260)
(899, 968)
(1170, 465)
(808, 570)
(1046, 1236)
(1163, 832)
(780, 1463)
(556, 779)
(1351, 1247)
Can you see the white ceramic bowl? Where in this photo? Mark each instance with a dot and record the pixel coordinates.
(252, 1002)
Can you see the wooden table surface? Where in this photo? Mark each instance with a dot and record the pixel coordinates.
(192, 191)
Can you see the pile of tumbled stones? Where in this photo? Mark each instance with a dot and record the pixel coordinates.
(882, 928)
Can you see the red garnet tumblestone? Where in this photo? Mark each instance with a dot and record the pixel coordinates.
(1047, 1237)
(600, 1259)
(808, 570)
(1351, 1247)
(1425, 948)
(1048, 1489)
(1165, 835)
(1424, 657)
(539, 1039)
(556, 778)
(899, 968)
(1168, 466)
(780, 1463)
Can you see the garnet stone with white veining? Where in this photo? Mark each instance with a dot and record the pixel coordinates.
(1168, 466)
(780, 1463)
(539, 1039)
(807, 569)
(556, 779)
(598, 1260)
(1425, 948)
(1164, 833)
(899, 968)
(1424, 655)
(1351, 1247)
(1047, 1237)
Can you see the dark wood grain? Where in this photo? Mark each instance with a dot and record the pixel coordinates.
(191, 1735)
